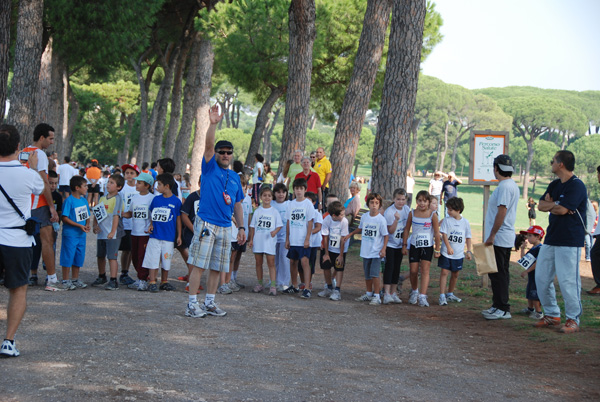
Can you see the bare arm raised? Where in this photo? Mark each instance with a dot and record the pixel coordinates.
(209, 144)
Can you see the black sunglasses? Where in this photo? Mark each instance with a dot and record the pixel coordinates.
(225, 152)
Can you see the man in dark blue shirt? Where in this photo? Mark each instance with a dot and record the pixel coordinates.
(449, 189)
(566, 200)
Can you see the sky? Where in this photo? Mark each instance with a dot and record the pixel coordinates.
(551, 44)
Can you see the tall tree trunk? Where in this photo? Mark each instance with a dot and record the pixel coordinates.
(176, 100)
(261, 122)
(358, 95)
(144, 84)
(5, 13)
(313, 121)
(26, 68)
(302, 37)
(564, 140)
(267, 146)
(534, 182)
(399, 97)
(454, 153)
(62, 135)
(202, 120)
(72, 119)
(49, 101)
(412, 159)
(437, 156)
(528, 166)
(235, 115)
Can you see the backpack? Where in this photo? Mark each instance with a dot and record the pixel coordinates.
(590, 217)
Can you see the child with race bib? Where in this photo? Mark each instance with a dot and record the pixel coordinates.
(456, 232)
(139, 212)
(108, 225)
(262, 239)
(76, 224)
(425, 230)
(372, 247)
(395, 216)
(534, 236)
(282, 263)
(165, 232)
(334, 229)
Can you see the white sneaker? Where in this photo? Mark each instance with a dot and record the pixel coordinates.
(414, 295)
(142, 286)
(535, 315)
(387, 299)
(224, 289)
(443, 301)
(336, 296)
(396, 299)
(325, 293)
(498, 315)
(233, 286)
(452, 298)
(423, 301)
(194, 310)
(489, 310)
(376, 301)
(9, 349)
(364, 297)
(134, 285)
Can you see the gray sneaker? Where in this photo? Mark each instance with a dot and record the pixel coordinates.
(112, 285)
(194, 310)
(240, 285)
(224, 289)
(142, 286)
(414, 296)
(423, 301)
(490, 310)
(54, 287)
(79, 284)
(134, 285)
(535, 315)
(325, 293)
(364, 297)
(233, 286)
(443, 301)
(396, 299)
(213, 309)
(336, 296)
(387, 299)
(452, 298)
(99, 281)
(68, 285)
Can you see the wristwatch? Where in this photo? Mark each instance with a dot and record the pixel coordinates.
(242, 228)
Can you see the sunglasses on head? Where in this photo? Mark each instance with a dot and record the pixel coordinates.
(225, 152)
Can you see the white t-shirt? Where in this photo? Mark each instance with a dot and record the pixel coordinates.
(374, 229)
(102, 184)
(255, 175)
(140, 221)
(395, 239)
(316, 238)
(335, 230)
(436, 186)
(65, 173)
(127, 194)
(507, 194)
(264, 221)
(282, 209)
(458, 231)
(410, 185)
(298, 215)
(19, 182)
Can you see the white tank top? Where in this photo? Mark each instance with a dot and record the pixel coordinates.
(422, 231)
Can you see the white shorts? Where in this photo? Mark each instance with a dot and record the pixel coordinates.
(157, 251)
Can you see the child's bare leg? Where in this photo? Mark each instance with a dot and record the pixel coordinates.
(294, 272)
(369, 285)
(272, 270)
(164, 275)
(414, 275)
(340, 278)
(536, 305)
(306, 268)
(453, 280)
(114, 268)
(65, 273)
(101, 266)
(443, 280)
(153, 274)
(75, 273)
(259, 263)
(387, 289)
(424, 276)
(327, 276)
(376, 285)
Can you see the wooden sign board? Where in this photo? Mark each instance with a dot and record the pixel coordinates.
(484, 147)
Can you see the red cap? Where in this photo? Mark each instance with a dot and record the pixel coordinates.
(129, 166)
(535, 230)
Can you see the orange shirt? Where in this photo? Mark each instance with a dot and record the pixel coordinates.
(93, 173)
(37, 201)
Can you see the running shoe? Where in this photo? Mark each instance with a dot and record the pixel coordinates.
(68, 285)
(54, 286)
(258, 289)
(99, 281)
(194, 310)
(423, 301)
(134, 285)
(498, 315)
(224, 289)
(387, 299)
(396, 299)
(306, 293)
(325, 293)
(375, 301)
(125, 279)
(291, 290)
(213, 309)
(336, 296)
(443, 300)
(167, 286)
(112, 285)
(152, 288)
(79, 284)
(453, 299)
(414, 296)
(9, 349)
(364, 297)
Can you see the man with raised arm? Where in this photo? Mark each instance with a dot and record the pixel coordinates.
(221, 198)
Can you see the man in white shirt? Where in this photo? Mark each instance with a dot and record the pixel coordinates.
(16, 252)
(65, 172)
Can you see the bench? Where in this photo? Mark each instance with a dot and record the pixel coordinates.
(354, 225)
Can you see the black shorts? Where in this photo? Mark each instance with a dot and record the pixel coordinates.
(236, 247)
(64, 189)
(15, 263)
(93, 189)
(125, 241)
(331, 262)
(186, 239)
(420, 254)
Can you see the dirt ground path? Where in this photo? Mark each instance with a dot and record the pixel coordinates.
(93, 344)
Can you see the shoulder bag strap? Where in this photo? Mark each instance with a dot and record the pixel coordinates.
(11, 202)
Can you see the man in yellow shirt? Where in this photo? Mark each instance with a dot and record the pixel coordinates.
(323, 169)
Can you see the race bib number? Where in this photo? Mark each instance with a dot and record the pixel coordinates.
(128, 200)
(264, 223)
(422, 240)
(100, 212)
(398, 235)
(334, 241)
(370, 233)
(140, 212)
(298, 215)
(81, 213)
(161, 214)
(527, 261)
(456, 238)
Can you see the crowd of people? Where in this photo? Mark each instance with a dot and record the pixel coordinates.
(293, 222)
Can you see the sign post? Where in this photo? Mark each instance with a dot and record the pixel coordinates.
(484, 147)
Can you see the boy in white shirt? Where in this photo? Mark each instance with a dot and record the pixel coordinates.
(315, 240)
(372, 247)
(130, 172)
(335, 227)
(455, 231)
(262, 238)
(300, 216)
(282, 263)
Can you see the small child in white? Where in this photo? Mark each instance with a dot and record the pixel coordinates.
(455, 231)
(262, 238)
(315, 239)
(395, 216)
(334, 229)
(372, 247)
(282, 263)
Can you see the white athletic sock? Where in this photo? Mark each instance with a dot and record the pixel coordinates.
(192, 299)
(209, 299)
(52, 278)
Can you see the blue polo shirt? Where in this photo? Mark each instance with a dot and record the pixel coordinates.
(215, 181)
(567, 230)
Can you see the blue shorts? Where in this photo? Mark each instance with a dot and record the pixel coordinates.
(371, 267)
(450, 264)
(297, 253)
(531, 291)
(72, 252)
